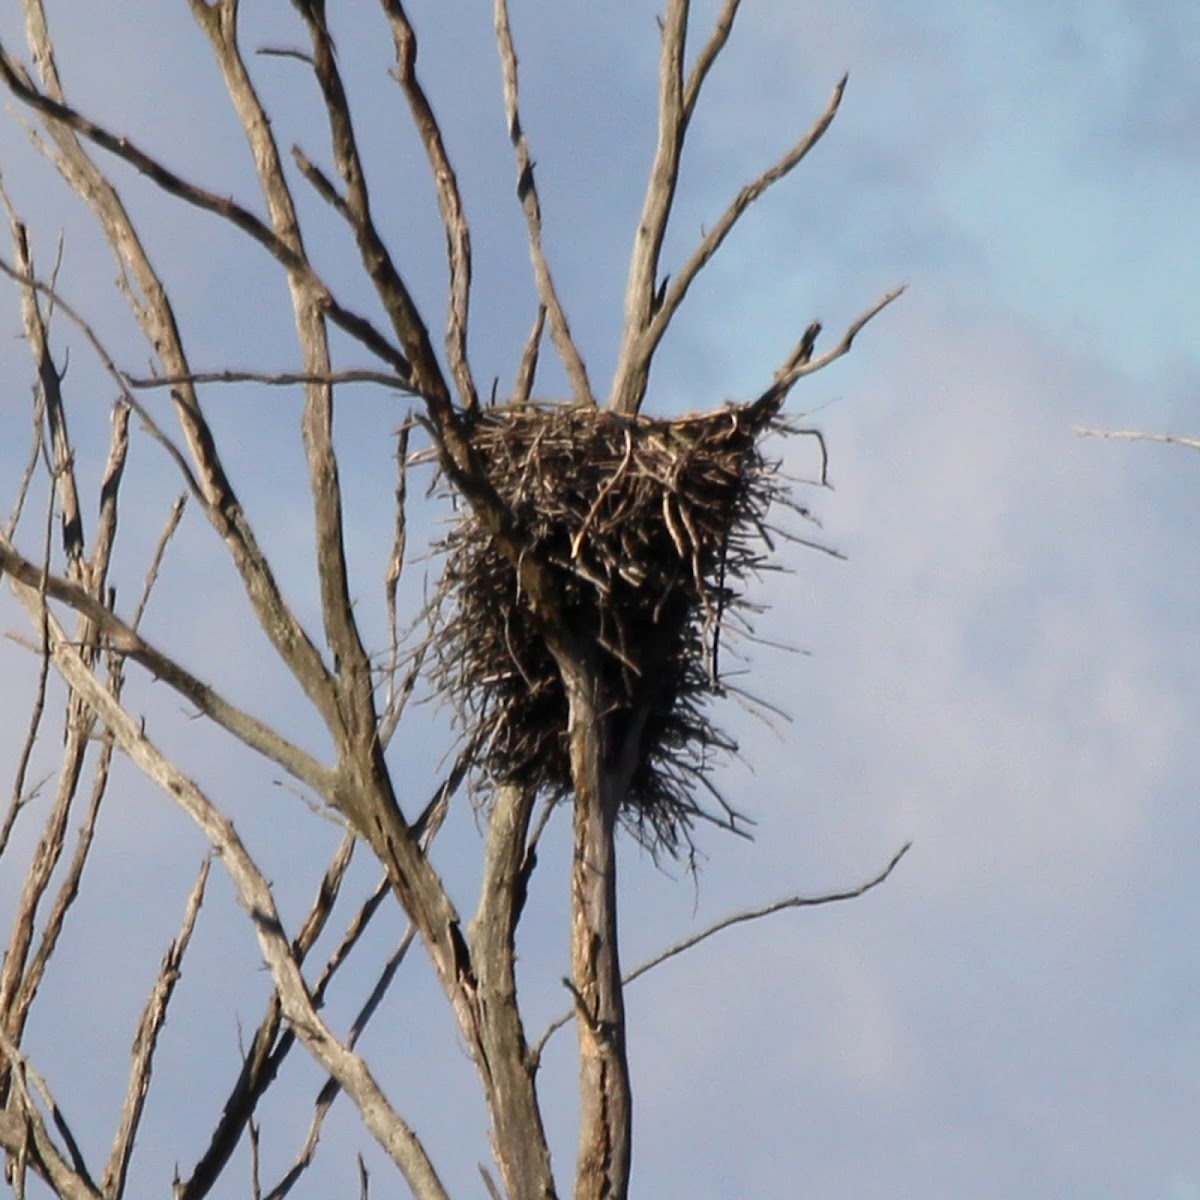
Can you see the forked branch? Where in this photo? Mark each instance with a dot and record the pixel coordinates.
(651, 305)
(804, 361)
(683, 279)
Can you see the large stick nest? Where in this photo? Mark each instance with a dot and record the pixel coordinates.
(650, 529)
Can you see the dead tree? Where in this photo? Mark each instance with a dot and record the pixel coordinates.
(597, 558)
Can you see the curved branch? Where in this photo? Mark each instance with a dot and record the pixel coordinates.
(60, 114)
(708, 55)
(738, 918)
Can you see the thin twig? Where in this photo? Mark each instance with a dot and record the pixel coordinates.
(154, 1016)
(752, 914)
(110, 369)
(493, 1190)
(394, 704)
(20, 793)
(270, 378)
(172, 524)
(1137, 435)
(21, 972)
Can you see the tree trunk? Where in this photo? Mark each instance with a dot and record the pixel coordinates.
(605, 1103)
(518, 1136)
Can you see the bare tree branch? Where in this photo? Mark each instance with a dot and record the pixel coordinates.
(395, 701)
(24, 1135)
(803, 362)
(145, 1041)
(349, 700)
(271, 1042)
(560, 331)
(633, 358)
(450, 203)
(390, 1130)
(527, 371)
(331, 1088)
(766, 910)
(1134, 435)
(738, 918)
(63, 116)
(32, 316)
(23, 966)
(123, 639)
(708, 55)
(600, 725)
(525, 1166)
(605, 1092)
(488, 1182)
(153, 310)
(15, 1012)
(271, 378)
(169, 529)
(111, 370)
(650, 309)
(713, 239)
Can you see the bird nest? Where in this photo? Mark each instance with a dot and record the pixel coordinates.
(650, 529)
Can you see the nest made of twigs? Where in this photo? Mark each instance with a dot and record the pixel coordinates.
(650, 529)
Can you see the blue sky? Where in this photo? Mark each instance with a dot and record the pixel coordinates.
(1003, 671)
